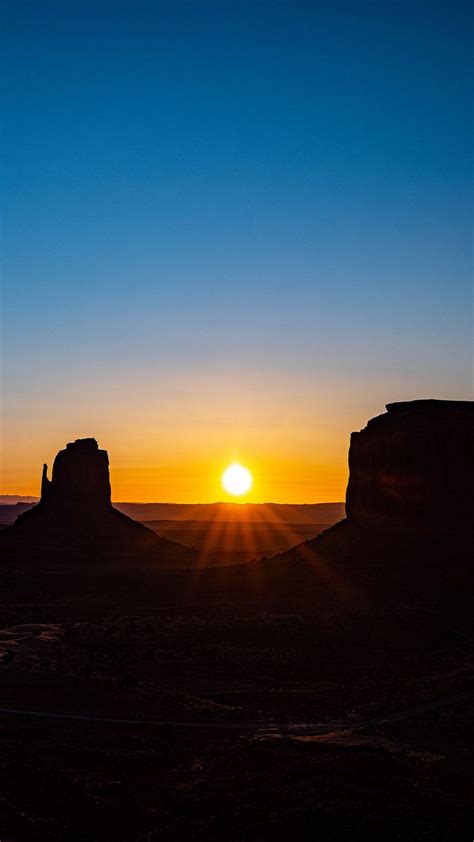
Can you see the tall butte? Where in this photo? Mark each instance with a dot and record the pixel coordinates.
(75, 514)
(409, 498)
(411, 469)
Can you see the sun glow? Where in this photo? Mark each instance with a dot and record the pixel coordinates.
(236, 480)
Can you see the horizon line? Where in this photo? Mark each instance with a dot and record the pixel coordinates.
(209, 503)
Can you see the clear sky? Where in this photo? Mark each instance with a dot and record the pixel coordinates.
(230, 230)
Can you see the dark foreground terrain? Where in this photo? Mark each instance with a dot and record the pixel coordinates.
(92, 782)
(261, 690)
(229, 543)
(223, 533)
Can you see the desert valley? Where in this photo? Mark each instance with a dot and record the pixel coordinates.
(152, 688)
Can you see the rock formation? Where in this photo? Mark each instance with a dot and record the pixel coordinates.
(80, 480)
(75, 513)
(408, 504)
(411, 469)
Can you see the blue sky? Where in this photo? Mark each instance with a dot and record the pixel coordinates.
(251, 196)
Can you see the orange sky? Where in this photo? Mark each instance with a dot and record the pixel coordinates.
(172, 442)
(139, 476)
(174, 445)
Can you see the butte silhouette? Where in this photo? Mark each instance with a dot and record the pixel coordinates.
(409, 505)
(75, 515)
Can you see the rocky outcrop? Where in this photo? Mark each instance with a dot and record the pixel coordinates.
(75, 514)
(411, 468)
(407, 539)
(80, 479)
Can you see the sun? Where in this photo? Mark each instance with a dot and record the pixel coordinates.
(236, 480)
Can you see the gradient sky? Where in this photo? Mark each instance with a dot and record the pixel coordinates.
(230, 230)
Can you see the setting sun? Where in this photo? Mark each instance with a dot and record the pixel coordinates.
(236, 479)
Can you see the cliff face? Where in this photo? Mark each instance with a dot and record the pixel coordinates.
(412, 467)
(407, 538)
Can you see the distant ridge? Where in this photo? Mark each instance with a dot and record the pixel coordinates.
(9, 513)
(13, 499)
(309, 513)
(236, 512)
